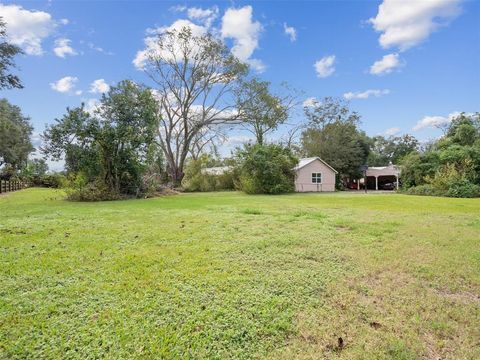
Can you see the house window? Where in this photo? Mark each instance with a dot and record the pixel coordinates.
(317, 178)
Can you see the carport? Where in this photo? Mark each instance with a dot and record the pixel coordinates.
(376, 176)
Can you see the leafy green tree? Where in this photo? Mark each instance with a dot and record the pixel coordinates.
(110, 146)
(464, 130)
(73, 138)
(15, 132)
(266, 169)
(332, 133)
(35, 172)
(35, 167)
(417, 166)
(7, 53)
(261, 111)
(384, 151)
(451, 165)
(330, 110)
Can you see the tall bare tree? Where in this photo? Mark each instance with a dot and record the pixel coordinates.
(207, 140)
(195, 76)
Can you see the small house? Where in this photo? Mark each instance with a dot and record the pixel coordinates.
(314, 175)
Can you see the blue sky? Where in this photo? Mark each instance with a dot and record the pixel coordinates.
(427, 53)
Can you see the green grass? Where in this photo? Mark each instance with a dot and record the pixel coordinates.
(226, 275)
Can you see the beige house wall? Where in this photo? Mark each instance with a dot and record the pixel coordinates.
(303, 180)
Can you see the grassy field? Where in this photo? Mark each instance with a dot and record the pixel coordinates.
(226, 275)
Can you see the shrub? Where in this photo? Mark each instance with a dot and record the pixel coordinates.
(425, 190)
(92, 191)
(266, 169)
(51, 180)
(196, 179)
(152, 184)
(464, 189)
(460, 189)
(226, 181)
(446, 177)
(199, 182)
(79, 188)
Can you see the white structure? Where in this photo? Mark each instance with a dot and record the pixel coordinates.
(217, 170)
(314, 174)
(390, 173)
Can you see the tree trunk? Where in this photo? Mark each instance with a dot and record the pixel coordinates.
(259, 138)
(176, 174)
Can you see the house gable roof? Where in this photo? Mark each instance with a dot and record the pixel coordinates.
(305, 161)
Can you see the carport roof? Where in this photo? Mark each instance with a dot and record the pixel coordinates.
(390, 170)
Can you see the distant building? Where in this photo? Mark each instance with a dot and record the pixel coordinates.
(377, 176)
(217, 170)
(314, 175)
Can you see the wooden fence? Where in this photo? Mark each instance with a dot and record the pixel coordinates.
(7, 186)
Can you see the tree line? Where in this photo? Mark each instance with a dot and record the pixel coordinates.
(140, 138)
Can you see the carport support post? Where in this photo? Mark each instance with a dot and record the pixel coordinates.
(376, 182)
(397, 180)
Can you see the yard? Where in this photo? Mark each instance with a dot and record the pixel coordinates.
(226, 275)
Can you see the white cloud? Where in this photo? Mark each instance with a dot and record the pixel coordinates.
(404, 24)
(435, 121)
(236, 140)
(64, 85)
(366, 94)
(237, 24)
(26, 28)
(151, 46)
(99, 86)
(206, 16)
(90, 105)
(257, 65)
(178, 8)
(386, 65)
(92, 46)
(310, 102)
(324, 67)
(62, 48)
(290, 31)
(64, 21)
(392, 131)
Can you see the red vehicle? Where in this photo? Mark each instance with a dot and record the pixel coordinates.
(352, 185)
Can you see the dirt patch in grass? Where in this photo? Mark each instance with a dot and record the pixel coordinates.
(463, 297)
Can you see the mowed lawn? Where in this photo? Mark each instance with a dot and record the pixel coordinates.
(227, 275)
